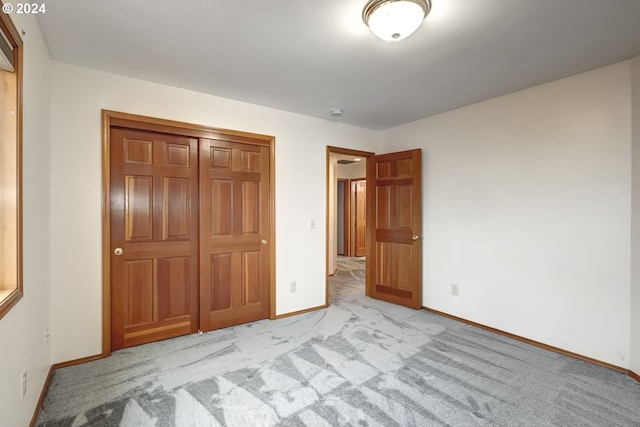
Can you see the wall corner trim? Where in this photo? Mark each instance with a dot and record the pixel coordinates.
(43, 393)
(295, 313)
(47, 381)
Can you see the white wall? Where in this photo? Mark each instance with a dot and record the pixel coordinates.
(78, 96)
(527, 208)
(353, 170)
(22, 345)
(635, 224)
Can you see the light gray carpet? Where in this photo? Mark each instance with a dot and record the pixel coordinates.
(362, 362)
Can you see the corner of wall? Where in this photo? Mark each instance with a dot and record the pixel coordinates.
(504, 181)
(635, 216)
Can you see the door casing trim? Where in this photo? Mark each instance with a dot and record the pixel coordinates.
(133, 121)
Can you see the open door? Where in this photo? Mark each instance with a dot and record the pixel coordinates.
(394, 228)
(360, 214)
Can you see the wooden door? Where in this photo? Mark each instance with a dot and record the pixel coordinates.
(342, 217)
(360, 217)
(394, 259)
(234, 230)
(154, 236)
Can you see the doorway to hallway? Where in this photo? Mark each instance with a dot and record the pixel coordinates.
(346, 210)
(393, 228)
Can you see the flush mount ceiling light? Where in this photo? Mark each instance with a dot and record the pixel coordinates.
(395, 20)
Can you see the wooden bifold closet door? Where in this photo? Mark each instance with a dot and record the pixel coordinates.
(189, 233)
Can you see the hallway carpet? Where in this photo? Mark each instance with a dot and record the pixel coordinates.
(361, 362)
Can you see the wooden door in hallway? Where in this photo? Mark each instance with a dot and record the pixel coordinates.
(360, 214)
(394, 259)
(154, 236)
(234, 229)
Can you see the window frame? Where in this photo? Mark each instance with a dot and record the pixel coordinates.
(15, 294)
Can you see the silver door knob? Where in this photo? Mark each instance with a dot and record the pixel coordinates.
(264, 242)
(118, 251)
(415, 237)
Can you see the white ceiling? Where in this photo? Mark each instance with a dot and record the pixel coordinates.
(311, 56)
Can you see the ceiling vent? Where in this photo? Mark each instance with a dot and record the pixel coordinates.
(7, 61)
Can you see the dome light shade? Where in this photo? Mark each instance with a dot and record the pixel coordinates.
(394, 20)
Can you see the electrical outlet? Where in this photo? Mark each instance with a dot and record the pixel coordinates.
(292, 286)
(312, 224)
(24, 383)
(455, 290)
(47, 335)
